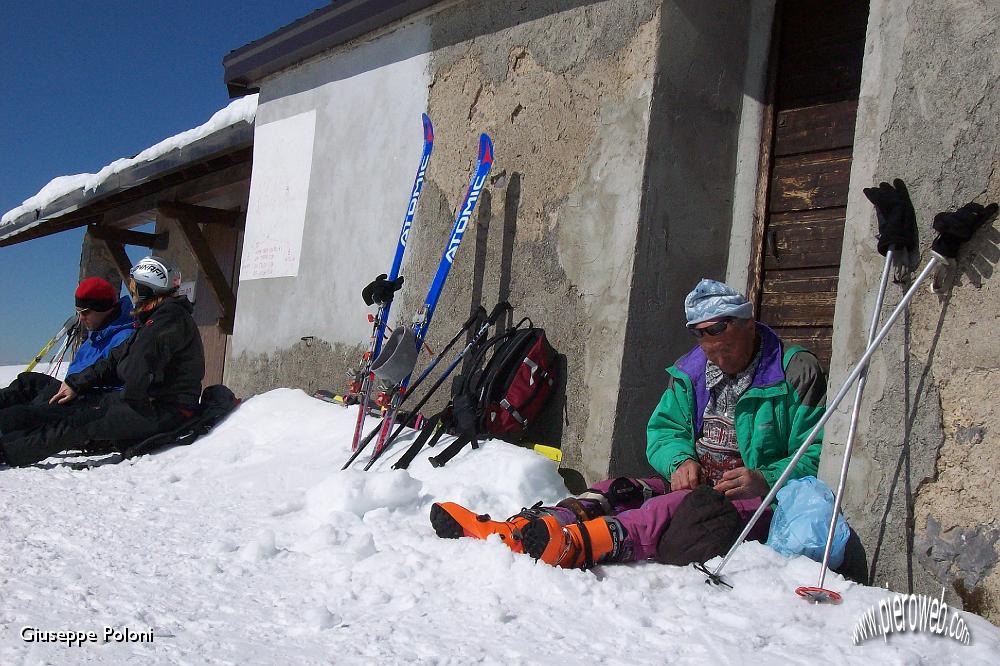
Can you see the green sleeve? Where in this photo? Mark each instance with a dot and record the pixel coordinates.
(807, 404)
(670, 433)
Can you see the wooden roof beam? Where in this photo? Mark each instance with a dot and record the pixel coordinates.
(200, 214)
(158, 241)
(120, 257)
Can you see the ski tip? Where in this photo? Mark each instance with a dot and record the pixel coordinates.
(485, 149)
(428, 127)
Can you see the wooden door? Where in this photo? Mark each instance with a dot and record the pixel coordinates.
(814, 88)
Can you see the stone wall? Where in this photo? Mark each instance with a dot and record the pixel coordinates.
(564, 88)
(922, 485)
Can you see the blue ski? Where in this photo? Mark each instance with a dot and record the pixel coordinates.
(364, 391)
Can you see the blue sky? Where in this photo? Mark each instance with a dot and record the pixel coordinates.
(84, 83)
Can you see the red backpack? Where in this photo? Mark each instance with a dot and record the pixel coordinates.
(516, 383)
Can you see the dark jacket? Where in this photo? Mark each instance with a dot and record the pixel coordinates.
(100, 343)
(162, 362)
(773, 418)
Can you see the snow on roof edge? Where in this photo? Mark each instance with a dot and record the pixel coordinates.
(242, 109)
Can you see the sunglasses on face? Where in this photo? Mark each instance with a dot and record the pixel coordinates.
(717, 328)
(83, 311)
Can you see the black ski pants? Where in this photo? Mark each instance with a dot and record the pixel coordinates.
(31, 433)
(29, 388)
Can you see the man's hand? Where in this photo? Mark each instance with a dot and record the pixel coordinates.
(63, 395)
(743, 483)
(687, 476)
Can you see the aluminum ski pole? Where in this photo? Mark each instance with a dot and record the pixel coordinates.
(64, 330)
(855, 412)
(935, 259)
(490, 321)
(478, 314)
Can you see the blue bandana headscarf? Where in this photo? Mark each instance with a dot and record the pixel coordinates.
(712, 299)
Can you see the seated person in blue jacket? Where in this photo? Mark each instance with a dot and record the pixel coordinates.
(735, 410)
(108, 322)
(160, 369)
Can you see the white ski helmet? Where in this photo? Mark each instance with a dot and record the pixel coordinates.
(154, 276)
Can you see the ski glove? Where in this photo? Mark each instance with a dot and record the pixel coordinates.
(897, 223)
(381, 290)
(956, 228)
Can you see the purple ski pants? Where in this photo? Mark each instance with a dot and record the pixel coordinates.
(645, 520)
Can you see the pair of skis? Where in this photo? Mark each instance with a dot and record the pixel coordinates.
(422, 320)
(381, 319)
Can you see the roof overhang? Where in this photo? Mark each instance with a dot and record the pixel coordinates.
(218, 160)
(310, 35)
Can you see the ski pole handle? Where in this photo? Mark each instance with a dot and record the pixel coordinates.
(498, 309)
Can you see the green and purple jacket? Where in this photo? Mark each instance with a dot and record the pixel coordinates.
(783, 404)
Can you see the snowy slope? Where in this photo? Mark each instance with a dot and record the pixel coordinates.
(252, 547)
(9, 372)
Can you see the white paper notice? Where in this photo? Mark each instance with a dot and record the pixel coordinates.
(279, 189)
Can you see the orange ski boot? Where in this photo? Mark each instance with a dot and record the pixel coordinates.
(579, 545)
(452, 521)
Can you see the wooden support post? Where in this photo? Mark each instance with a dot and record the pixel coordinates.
(210, 269)
(122, 262)
(125, 237)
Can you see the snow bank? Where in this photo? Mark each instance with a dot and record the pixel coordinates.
(242, 109)
(9, 372)
(253, 547)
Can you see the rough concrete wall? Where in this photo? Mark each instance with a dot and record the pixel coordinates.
(563, 87)
(922, 485)
(687, 201)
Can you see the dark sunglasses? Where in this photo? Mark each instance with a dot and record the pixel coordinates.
(717, 328)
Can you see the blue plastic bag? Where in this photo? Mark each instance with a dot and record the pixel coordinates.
(802, 519)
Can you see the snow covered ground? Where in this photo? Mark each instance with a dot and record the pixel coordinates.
(252, 547)
(9, 372)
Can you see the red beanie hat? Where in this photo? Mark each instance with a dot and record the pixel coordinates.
(95, 293)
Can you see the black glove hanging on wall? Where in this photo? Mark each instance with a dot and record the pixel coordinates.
(381, 290)
(897, 223)
(958, 227)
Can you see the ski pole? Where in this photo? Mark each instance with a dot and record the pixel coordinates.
(478, 314)
(63, 330)
(57, 359)
(855, 413)
(935, 259)
(490, 321)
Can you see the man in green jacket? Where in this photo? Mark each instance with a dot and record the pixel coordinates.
(735, 410)
(738, 405)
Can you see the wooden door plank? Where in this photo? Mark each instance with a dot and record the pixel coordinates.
(814, 180)
(816, 128)
(817, 339)
(801, 239)
(808, 280)
(815, 309)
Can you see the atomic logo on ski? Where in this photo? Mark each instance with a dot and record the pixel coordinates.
(478, 180)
